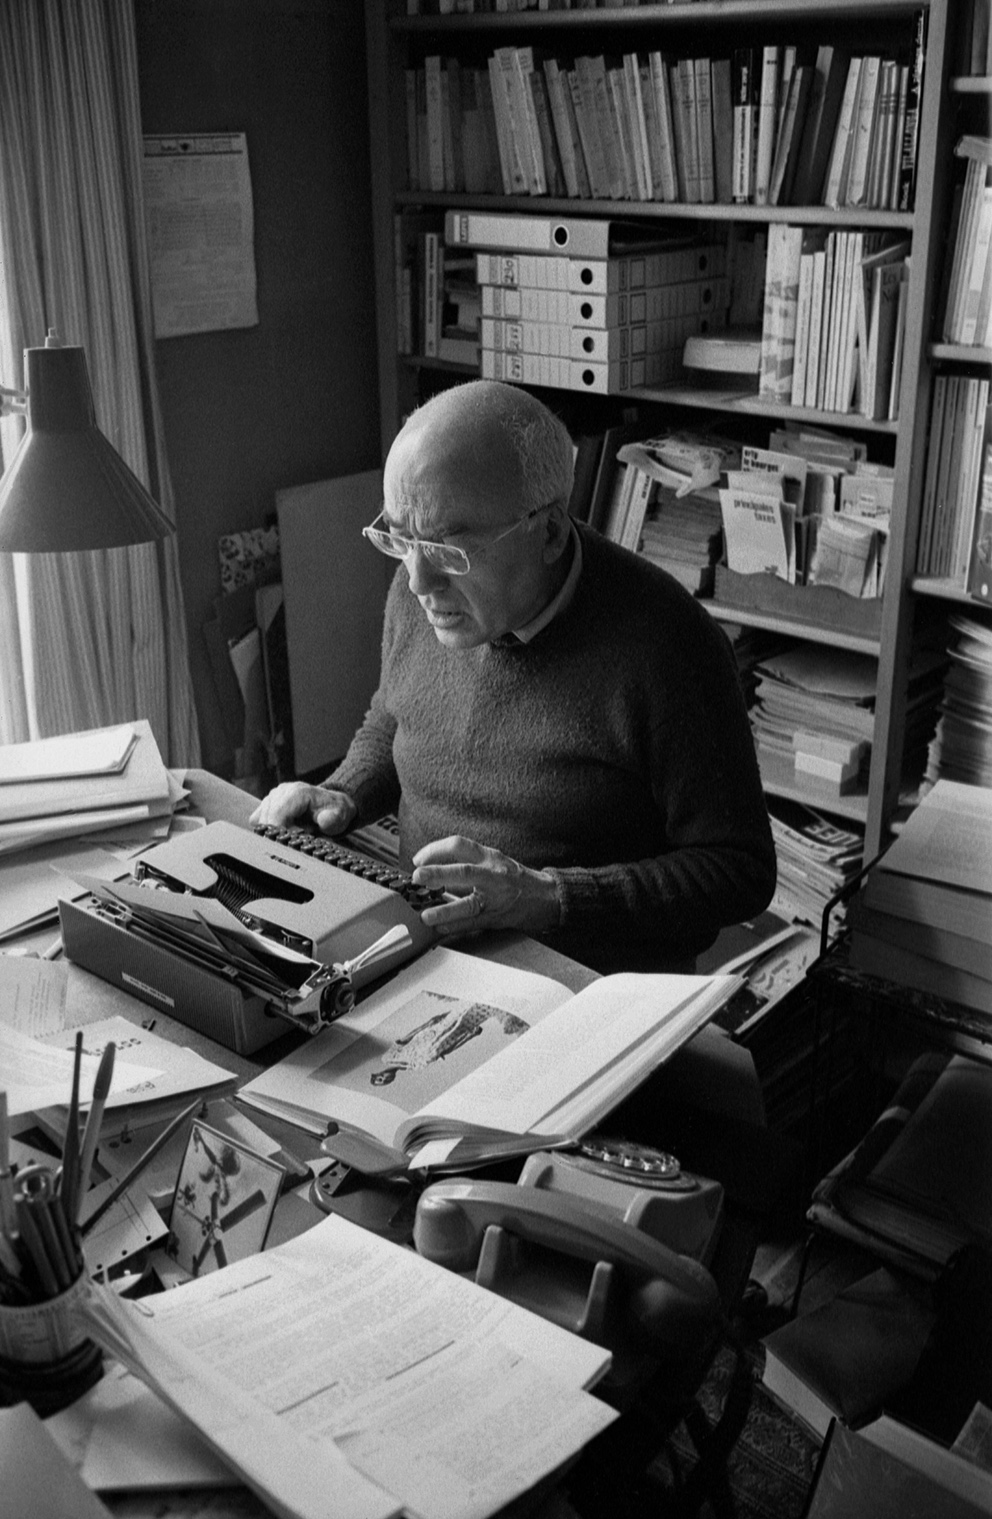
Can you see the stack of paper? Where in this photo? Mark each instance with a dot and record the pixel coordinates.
(923, 917)
(816, 858)
(961, 749)
(685, 536)
(827, 696)
(80, 783)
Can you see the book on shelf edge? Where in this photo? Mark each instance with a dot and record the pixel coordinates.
(459, 1060)
(915, 1190)
(844, 1358)
(857, 1478)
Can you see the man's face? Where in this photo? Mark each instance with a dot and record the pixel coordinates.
(508, 583)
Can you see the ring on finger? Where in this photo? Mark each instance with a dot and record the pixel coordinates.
(478, 900)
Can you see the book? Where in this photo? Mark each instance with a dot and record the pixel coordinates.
(952, 1473)
(862, 129)
(790, 135)
(914, 1191)
(744, 87)
(703, 103)
(666, 161)
(906, 185)
(858, 1479)
(979, 584)
(723, 130)
(771, 64)
(460, 1061)
(846, 1357)
(945, 945)
(778, 328)
(835, 183)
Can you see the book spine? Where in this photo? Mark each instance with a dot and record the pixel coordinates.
(666, 131)
(778, 333)
(563, 133)
(855, 193)
(704, 128)
(803, 313)
(771, 61)
(742, 82)
(840, 153)
(435, 127)
(906, 194)
(723, 131)
(432, 286)
(980, 561)
(815, 331)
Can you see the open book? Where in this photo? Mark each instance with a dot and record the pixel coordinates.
(458, 1061)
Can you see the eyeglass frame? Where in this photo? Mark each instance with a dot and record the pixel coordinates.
(432, 547)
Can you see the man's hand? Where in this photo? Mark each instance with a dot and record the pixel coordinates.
(490, 890)
(296, 802)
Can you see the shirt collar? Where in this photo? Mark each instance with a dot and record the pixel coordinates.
(560, 601)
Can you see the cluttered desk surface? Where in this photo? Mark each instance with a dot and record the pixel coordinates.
(103, 1432)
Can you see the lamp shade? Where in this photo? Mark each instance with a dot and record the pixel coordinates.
(67, 488)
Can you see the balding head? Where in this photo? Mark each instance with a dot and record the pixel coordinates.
(488, 468)
(495, 444)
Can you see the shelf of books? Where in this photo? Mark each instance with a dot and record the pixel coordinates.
(711, 237)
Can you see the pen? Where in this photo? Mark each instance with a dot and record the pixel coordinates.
(54, 950)
(139, 1165)
(91, 1134)
(70, 1150)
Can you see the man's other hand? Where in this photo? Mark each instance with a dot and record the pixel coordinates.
(296, 802)
(489, 890)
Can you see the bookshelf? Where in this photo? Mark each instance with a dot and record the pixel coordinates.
(397, 41)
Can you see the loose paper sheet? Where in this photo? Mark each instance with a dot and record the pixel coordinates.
(201, 232)
(453, 1398)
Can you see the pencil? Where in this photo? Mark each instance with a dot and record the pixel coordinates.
(69, 1185)
(91, 1134)
(136, 1170)
(35, 1250)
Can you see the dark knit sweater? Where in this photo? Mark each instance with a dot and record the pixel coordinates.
(613, 749)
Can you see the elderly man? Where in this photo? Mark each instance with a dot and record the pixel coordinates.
(558, 723)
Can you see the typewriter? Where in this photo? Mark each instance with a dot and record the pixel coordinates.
(232, 931)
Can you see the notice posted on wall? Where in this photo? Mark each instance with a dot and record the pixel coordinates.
(201, 232)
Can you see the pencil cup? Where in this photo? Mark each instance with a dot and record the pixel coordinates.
(46, 1359)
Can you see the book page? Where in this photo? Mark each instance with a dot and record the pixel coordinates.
(436, 1021)
(574, 1054)
(452, 1398)
(947, 839)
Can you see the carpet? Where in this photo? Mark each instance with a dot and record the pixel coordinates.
(772, 1464)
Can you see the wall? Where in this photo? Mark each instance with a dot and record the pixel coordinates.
(294, 399)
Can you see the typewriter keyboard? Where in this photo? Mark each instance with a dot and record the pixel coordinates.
(356, 864)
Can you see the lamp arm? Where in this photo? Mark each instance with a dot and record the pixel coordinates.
(12, 402)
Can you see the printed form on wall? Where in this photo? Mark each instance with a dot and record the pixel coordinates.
(198, 205)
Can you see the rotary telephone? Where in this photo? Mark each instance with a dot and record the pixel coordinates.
(611, 1241)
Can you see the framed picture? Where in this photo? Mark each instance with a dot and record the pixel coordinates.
(225, 1198)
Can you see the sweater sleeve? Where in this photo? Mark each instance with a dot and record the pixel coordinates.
(719, 864)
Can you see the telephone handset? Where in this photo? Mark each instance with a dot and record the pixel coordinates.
(571, 1259)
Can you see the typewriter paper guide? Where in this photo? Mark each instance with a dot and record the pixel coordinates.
(339, 916)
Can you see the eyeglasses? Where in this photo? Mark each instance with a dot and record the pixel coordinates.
(450, 558)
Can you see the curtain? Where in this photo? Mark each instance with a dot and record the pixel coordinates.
(86, 639)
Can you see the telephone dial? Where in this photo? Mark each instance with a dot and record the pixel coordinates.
(612, 1241)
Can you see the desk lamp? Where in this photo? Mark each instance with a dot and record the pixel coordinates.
(67, 488)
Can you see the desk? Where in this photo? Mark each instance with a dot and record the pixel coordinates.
(715, 1069)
